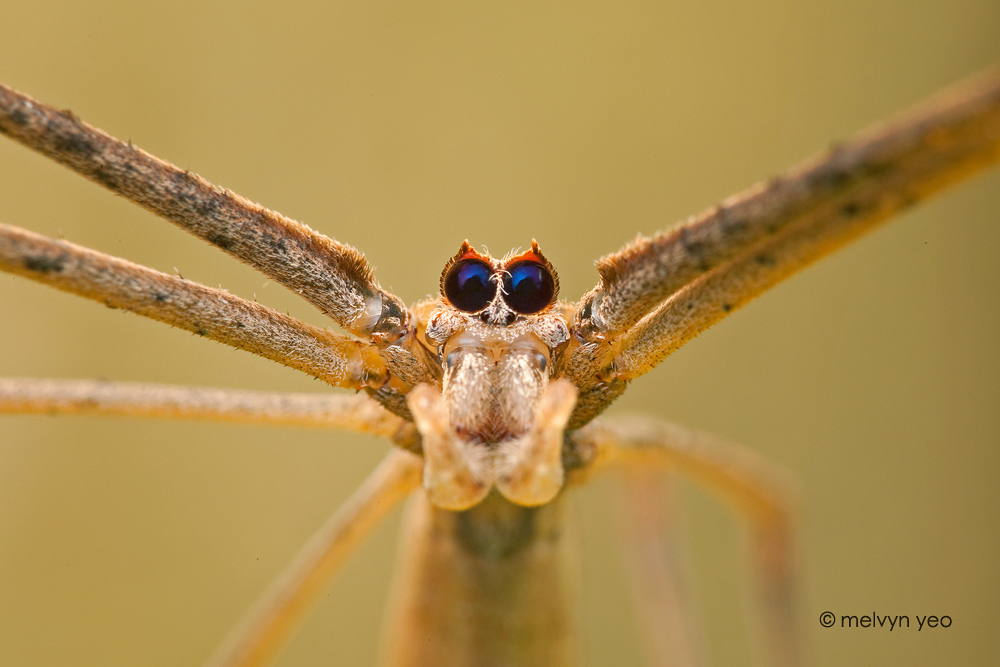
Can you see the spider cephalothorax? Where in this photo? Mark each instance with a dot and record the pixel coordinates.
(498, 420)
(499, 300)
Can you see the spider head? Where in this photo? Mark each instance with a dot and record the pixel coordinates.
(498, 291)
(498, 300)
(497, 418)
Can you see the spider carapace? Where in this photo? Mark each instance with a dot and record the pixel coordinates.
(498, 420)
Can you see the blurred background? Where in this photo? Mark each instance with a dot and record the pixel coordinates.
(404, 128)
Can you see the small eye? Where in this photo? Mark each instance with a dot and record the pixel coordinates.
(528, 287)
(468, 285)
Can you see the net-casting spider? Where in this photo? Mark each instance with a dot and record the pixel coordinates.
(493, 390)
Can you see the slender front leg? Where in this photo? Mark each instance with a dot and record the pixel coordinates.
(277, 615)
(205, 311)
(657, 293)
(332, 276)
(755, 489)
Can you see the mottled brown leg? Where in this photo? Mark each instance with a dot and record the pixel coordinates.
(205, 311)
(332, 276)
(657, 293)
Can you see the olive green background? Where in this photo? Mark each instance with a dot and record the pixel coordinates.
(404, 128)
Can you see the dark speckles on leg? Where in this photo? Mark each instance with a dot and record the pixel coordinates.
(44, 264)
(75, 144)
(278, 245)
(727, 307)
(694, 249)
(184, 187)
(836, 177)
(201, 332)
(161, 297)
(188, 199)
(18, 117)
(736, 227)
(221, 240)
(764, 260)
(208, 207)
(179, 181)
(106, 178)
(850, 209)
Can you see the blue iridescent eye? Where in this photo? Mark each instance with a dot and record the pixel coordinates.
(528, 287)
(468, 286)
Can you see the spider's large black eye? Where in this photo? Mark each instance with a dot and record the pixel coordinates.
(528, 287)
(468, 285)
